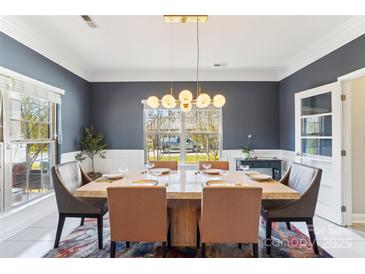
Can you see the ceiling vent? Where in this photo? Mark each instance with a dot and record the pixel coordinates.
(89, 21)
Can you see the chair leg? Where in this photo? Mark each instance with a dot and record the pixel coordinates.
(197, 237)
(61, 222)
(169, 237)
(100, 232)
(163, 249)
(288, 225)
(268, 236)
(312, 235)
(203, 250)
(82, 221)
(127, 244)
(255, 250)
(112, 249)
(240, 246)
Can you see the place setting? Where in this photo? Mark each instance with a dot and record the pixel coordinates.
(113, 177)
(255, 175)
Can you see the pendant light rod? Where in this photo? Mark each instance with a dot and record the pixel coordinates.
(171, 59)
(197, 56)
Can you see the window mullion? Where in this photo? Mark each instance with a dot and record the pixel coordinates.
(182, 138)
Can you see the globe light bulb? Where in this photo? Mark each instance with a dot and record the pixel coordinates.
(219, 101)
(185, 96)
(153, 102)
(168, 101)
(203, 100)
(186, 107)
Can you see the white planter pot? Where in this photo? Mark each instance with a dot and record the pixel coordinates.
(245, 155)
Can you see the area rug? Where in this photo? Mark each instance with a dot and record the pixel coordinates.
(82, 243)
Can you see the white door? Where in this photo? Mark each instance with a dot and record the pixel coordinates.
(318, 123)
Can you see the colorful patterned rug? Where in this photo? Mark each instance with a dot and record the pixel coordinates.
(82, 243)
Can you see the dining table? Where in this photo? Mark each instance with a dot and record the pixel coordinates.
(184, 194)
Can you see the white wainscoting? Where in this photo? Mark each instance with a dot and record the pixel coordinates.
(133, 159)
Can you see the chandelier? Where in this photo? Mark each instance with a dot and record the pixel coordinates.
(186, 99)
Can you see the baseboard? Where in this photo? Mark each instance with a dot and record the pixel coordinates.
(21, 217)
(358, 218)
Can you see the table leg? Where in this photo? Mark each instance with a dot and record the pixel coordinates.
(183, 222)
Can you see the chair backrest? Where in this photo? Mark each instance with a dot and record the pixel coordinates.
(66, 179)
(306, 180)
(230, 214)
(302, 177)
(138, 213)
(224, 165)
(70, 175)
(165, 164)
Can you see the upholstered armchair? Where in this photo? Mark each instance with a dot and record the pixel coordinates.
(306, 180)
(66, 179)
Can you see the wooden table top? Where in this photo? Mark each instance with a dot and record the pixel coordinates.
(185, 184)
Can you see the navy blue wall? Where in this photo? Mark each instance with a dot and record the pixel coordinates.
(346, 59)
(251, 107)
(75, 103)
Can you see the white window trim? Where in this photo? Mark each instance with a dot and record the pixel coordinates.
(21, 77)
(6, 140)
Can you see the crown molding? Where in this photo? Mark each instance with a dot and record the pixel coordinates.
(352, 29)
(158, 75)
(20, 32)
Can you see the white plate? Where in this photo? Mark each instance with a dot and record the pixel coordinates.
(212, 171)
(145, 183)
(251, 172)
(162, 170)
(113, 176)
(218, 183)
(260, 177)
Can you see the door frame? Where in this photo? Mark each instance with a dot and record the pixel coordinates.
(345, 81)
(336, 113)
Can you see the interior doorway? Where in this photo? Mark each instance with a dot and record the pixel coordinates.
(354, 145)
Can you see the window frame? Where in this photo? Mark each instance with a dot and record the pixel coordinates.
(8, 141)
(183, 133)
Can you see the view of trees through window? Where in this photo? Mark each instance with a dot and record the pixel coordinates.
(185, 137)
(32, 146)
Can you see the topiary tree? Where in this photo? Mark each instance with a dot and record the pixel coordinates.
(92, 145)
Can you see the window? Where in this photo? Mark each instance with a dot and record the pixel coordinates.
(170, 134)
(32, 145)
(28, 138)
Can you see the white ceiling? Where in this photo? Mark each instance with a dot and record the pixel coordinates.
(137, 48)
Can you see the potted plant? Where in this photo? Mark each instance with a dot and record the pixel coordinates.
(246, 149)
(92, 145)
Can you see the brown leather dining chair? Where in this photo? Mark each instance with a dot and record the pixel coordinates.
(137, 214)
(224, 165)
(230, 215)
(306, 180)
(165, 164)
(66, 179)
